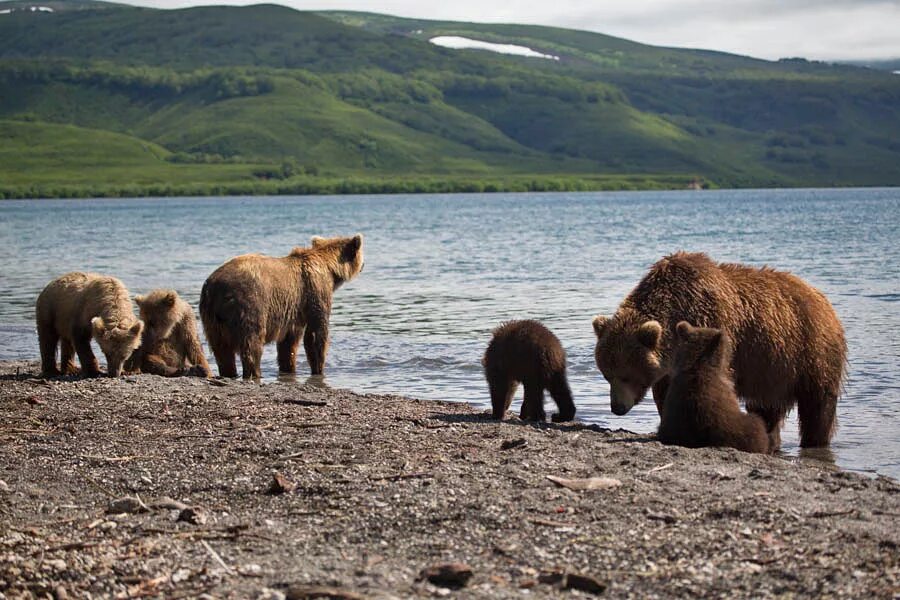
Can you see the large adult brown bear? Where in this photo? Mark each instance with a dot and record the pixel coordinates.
(789, 345)
(253, 300)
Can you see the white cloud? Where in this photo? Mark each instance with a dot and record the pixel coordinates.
(814, 29)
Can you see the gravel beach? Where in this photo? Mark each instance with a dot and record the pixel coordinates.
(143, 486)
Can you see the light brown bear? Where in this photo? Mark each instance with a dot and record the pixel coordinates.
(253, 300)
(171, 344)
(701, 407)
(527, 352)
(788, 343)
(76, 306)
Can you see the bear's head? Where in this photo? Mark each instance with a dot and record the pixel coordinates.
(116, 342)
(695, 346)
(627, 353)
(344, 256)
(159, 312)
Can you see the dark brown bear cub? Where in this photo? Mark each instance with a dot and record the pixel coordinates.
(527, 352)
(701, 407)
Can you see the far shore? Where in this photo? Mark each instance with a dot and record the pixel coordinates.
(143, 486)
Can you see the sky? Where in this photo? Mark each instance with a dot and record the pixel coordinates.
(770, 29)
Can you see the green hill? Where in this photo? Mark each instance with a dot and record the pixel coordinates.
(267, 99)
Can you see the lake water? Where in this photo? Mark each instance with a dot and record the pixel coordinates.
(443, 270)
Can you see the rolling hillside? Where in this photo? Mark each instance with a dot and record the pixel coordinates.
(269, 99)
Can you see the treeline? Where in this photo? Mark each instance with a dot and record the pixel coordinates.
(145, 81)
(351, 185)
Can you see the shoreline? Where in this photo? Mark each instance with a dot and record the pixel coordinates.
(375, 488)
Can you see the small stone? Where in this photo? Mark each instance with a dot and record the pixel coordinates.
(452, 575)
(281, 485)
(128, 505)
(270, 594)
(4, 487)
(181, 575)
(510, 444)
(194, 516)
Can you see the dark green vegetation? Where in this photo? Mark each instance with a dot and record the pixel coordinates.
(106, 99)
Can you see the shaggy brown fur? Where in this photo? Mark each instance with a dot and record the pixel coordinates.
(171, 345)
(788, 343)
(701, 407)
(76, 306)
(527, 352)
(253, 300)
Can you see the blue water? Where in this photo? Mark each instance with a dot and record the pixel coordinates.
(443, 270)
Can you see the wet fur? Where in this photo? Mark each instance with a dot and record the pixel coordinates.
(253, 300)
(701, 407)
(171, 343)
(76, 307)
(527, 352)
(789, 345)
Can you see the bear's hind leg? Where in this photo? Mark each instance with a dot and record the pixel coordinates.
(67, 357)
(287, 353)
(48, 340)
(503, 388)
(251, 357)
(315, 342)
(773, 416)
(562, 395)
(817, 410)
(225, 360)
(533, 404)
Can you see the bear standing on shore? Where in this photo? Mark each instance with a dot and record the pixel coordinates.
(171, 344)
(253, 300)
(701, 407)
(788, 343)
(76, 306)
(527, 352)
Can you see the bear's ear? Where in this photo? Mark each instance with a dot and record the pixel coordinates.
(600, 323)
(139, 300)
(351, 248)
(136, 329)
(317, 241)
(648, 334)
(683, 330)
(712, 341)
(98, 326)
(170, 298)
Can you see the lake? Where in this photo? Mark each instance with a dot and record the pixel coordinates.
(443, 270)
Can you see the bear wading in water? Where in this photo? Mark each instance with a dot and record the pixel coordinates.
(171, 344)
(77, 306)
(701, 407)
(253, 300)
(527, 352)
(788, 344)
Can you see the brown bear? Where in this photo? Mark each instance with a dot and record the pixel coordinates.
(701, 407)
(253, 300)
(76, 306)
(527, 352)
(789, 345)
(171, 344)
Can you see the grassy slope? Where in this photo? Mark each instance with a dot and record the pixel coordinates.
(348, 96)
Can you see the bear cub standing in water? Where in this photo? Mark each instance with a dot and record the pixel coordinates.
(527, 352)
(701, 407)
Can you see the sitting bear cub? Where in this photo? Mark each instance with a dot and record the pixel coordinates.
(171, 344)
(701, 408)
(527, 352)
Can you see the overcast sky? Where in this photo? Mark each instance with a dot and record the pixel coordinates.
(814, 29)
